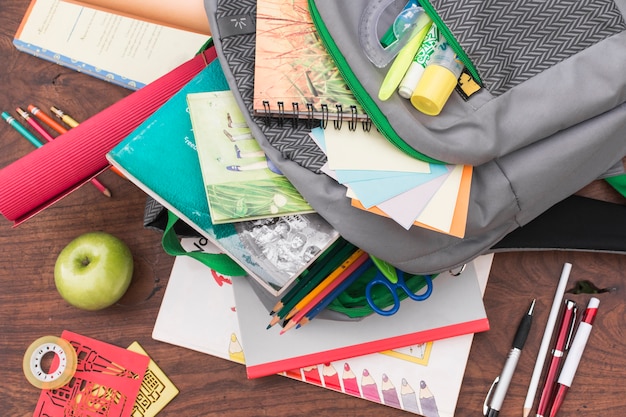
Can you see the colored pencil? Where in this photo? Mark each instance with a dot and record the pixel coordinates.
(345, 272)
(66, 118)
(335, 293)
(38, 128)
(58, 128)
(21, 129)
(47, 120)
(325, 283)
(314, 279)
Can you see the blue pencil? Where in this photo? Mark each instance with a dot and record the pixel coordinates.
(335, 293)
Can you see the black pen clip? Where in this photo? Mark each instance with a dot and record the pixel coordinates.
(488, 397)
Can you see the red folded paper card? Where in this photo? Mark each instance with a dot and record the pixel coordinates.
(46, 174)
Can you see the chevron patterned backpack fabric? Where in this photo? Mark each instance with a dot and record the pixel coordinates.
(548, 119)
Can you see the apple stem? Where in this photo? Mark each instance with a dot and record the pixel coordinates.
(85, 261)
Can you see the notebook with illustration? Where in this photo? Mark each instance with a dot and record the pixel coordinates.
(160, 157)
(293, 74)
(241, 183)
(198, 312)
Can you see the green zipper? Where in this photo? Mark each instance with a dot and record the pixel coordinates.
(362, 96)
(447, 34)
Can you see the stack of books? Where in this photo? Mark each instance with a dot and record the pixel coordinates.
(218, 318)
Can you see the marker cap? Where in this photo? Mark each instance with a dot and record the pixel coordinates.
(433, 90)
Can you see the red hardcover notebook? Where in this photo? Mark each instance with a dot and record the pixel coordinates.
(47, 174)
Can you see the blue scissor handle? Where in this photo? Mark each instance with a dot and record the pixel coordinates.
(381, 280)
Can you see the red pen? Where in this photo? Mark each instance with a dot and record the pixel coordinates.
(561, 345)
(575, 353)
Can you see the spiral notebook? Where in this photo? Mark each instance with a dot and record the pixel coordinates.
(294, 75)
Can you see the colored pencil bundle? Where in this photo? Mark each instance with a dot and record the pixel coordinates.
(334, 271)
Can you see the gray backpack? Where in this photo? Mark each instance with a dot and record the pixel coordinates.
(549, 119)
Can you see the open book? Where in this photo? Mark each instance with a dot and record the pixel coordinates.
(188, 15)
(123, 50)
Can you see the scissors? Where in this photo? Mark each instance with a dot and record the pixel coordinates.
(392, 278)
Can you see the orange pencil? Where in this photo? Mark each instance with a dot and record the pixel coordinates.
(341, 274)
(46, 119)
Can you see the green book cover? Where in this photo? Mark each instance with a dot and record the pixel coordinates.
(160, 157)
(240, 182)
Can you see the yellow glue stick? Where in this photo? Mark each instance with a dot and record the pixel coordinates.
(438, 81)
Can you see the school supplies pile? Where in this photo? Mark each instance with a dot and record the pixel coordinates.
(199, 312)
(534, 132)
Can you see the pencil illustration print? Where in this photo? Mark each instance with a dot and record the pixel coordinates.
(369, 387)
(409, 398)
(350, 383)
(331, 377)
(390, 394)
(427, 401)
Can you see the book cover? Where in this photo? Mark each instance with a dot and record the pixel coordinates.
(119, 49)
(455, 308)
(292, 66)
(240, 182)
(160, 157)
(423, 378)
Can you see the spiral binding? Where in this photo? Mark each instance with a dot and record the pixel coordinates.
(324, 116)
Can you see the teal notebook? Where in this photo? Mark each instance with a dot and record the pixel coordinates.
(160, 157)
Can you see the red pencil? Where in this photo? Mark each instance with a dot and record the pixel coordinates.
(44, 118)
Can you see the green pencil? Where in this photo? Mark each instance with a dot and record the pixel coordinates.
(313, 280)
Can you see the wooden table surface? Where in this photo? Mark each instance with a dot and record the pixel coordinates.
(30, 307)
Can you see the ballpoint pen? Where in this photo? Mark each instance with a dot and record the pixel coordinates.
(545, 340)
(561, 345)
(500, 385)
(575, 353)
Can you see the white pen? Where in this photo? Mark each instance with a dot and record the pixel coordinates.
(545, 341)
(500, 385)
(575, 353)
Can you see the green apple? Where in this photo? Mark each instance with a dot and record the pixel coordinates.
(93, 271)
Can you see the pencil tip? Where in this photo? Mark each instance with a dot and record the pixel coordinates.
(106, 192)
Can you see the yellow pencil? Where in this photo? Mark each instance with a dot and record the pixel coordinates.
(66, 118)
(325, 283)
